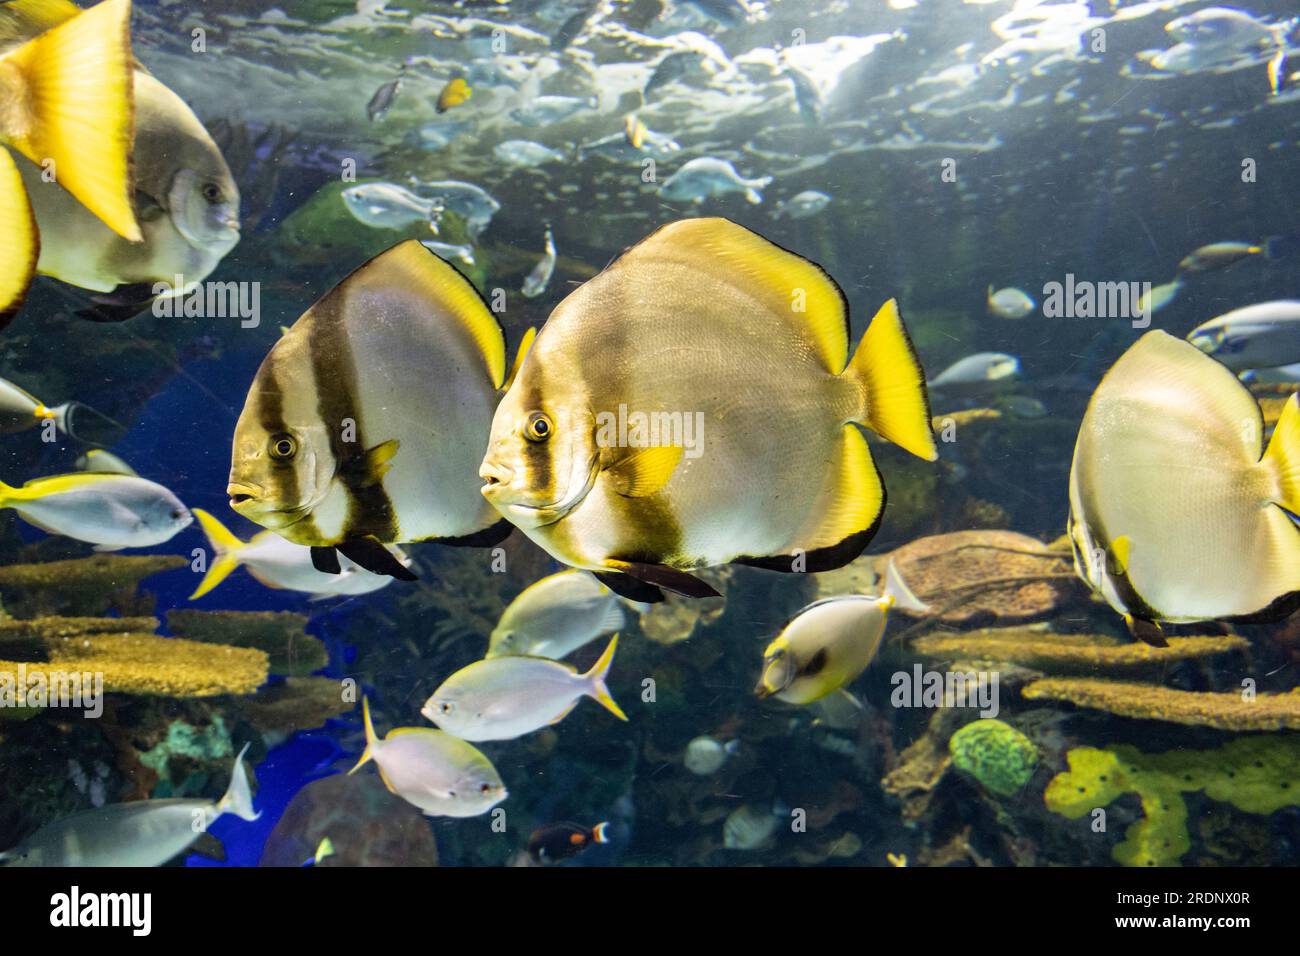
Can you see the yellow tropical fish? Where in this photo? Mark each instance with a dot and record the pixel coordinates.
(454, 94)
(696, 404)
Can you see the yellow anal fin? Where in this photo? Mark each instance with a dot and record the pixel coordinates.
(896, 405)
(852, 497)
(78, 83)
(20, 243)
(564, 713)
(645, 471)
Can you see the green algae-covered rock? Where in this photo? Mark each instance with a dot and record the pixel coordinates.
(1000, 757)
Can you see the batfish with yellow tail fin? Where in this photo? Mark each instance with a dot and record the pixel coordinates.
(697, 404)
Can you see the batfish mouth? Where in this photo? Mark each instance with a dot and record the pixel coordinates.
(498, 491)
(243, 495)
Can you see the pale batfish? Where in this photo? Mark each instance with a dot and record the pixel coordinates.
(367, 421)
(696, 404)
(1178, 510)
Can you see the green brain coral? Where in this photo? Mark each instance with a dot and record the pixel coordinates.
(1254, 774)
(1000, 757)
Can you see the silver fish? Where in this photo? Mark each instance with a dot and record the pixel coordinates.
(536, 281)
(144, 833)
(389, 206)
(708, 176)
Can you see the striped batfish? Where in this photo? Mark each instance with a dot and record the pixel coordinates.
(1178, 510)
(695, 404)
(366, 422)
(65, 104)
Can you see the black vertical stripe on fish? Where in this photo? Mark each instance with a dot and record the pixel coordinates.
(271, 418)
(369, 509)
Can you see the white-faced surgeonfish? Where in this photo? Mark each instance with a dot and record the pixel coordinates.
(185, 200)
(709, 326)
(440, 774)
(107, 510)
(1264, 335)
(281, 564)
(66, 104)
(501, 698)
(143, 833)
(557, 615)
(830, 642)
(366, 422)
(1178, 510)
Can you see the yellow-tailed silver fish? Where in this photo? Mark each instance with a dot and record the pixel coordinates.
(696, 404)
(432, 770)
(107, 510)
(830, 642)
(66, 80)
(557, 615)
(281, 564)
(507, 697)
(143, 833)
(366, 422)
(1178, 510)
(185, 200)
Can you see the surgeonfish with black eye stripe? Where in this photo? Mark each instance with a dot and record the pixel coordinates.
(830, 642)
(366, 422)
(1178, 510)
(710, 323)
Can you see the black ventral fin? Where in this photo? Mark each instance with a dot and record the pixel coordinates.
(489, 536)
(628, 587)
(370, 554)
(662, 576)
(325, 560)
(124, 302)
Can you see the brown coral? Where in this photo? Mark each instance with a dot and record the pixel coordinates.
(1039, 649)
(300, 703)
(279, 633)
(970, 576)
(1223, 711)
(147, 664)
(677, 618)
(91, 585)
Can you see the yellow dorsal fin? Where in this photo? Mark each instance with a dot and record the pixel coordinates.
(446, 295)
(885, 367)
(525, 344)
(78, 81)
(784, 283)
(853, 498)
(645, 471)
(20, 244)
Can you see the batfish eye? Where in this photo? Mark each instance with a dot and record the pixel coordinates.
(538, 428)
(212, 193)
(283, 447)
(445, 708)
(486, 788)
